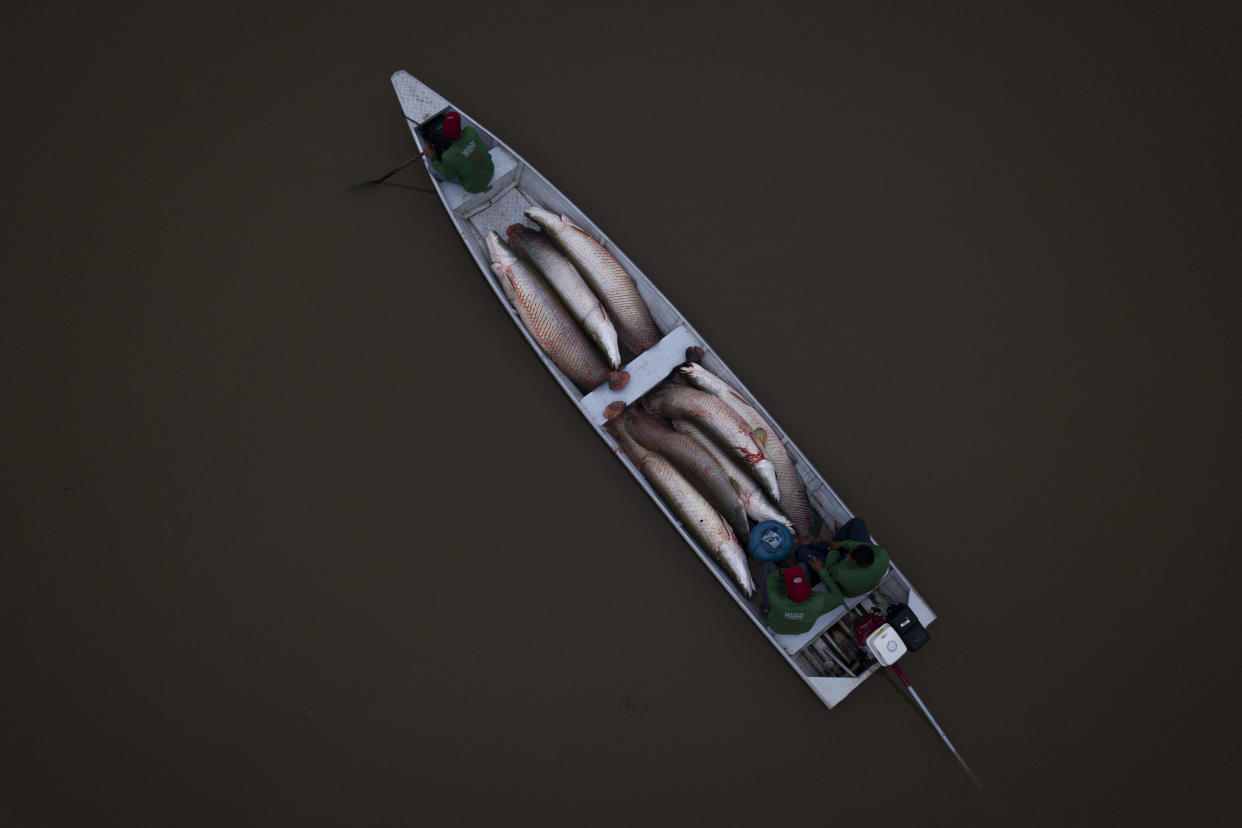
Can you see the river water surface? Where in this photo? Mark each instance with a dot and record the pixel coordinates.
(298, 531)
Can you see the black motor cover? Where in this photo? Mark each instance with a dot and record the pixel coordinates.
(907, 625)
(432, 131)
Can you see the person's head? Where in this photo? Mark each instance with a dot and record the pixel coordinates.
(861, 555)
(796, 586)
(451, 126)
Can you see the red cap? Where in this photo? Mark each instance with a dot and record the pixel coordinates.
(796, 586)
(452, 126)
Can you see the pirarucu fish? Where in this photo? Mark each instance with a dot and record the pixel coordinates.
(696, 514)
(793, 499)
(726, 426)
(694, 461)
(549, 322)
(564, 278)
(754, 501)
(614, 287)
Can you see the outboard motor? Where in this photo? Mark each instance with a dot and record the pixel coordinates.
(879, 638)
(887, 646)
(865, 626)
(908, 626)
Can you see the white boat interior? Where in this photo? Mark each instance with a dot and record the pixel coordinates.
(825, 657)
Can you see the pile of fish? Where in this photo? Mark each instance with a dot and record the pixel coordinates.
(722, 457)
(574, 297)
(711, 456)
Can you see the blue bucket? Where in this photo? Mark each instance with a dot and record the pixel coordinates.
(770, 541)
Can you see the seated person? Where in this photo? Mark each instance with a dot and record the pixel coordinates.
(465, 159)
(855, 563)
(792, 606)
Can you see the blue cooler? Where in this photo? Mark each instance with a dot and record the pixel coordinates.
(770, 541)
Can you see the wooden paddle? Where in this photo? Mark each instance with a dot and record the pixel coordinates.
(382, 179)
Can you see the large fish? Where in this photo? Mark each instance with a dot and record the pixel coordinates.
(548, 321)
(793, 499)
(726, 426)
(696, 514)
(694, 461)
(754, 501)
(615, 287)
(565, 280)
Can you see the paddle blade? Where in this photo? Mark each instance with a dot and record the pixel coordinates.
(366, 184)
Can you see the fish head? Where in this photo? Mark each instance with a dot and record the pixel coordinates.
(548, 220)
(496, 248)
(500, 254)
(506, 281)
(517, 232)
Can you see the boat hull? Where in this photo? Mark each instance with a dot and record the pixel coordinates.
(817, 656)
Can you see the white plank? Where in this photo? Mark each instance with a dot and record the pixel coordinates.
(646, 371)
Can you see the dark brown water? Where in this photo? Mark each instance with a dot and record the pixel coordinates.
(298, 531)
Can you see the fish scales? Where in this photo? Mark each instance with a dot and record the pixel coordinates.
(793, 498)
(569, 285)
(754, 501)
(683, 402)
(697, 515)
(696, 462)
(547, 319)
(614, 287)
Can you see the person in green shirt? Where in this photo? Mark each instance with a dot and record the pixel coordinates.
(792, 606)
(855, 563)
(465, 160)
